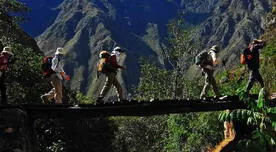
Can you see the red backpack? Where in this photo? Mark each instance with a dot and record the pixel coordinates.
(4, 61)
(46, 66)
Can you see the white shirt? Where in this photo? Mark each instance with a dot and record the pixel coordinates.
(57, 66)
(117, 53)
(213, 55)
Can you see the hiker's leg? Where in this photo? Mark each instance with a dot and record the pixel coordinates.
(119, 89)
(59, 92)
(259, 78)
(250, 81)
(212, 81)
(206, 86)
(3, 90)
(58, 88)
(108, 83)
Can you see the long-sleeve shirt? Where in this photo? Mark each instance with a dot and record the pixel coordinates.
(57, 66)
(114, 63)
(117, 54)
(213, 56)
(252, 55)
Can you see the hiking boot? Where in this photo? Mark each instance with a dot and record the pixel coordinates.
(44, 99)
(223, 97)
(203, 98)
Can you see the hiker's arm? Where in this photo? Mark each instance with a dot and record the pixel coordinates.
(62, 72)
(214, 58)
(65, 76)
(55, 65)
(121, 67)
(259, 44)
(115, 63)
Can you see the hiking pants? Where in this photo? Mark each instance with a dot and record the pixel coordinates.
(109, 81)
(3, 88)
(56, 92)
(209, 80)
(254, 76)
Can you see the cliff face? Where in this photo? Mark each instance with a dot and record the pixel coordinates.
(233, 24)
(85, 27)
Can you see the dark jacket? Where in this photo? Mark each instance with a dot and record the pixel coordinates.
(252, 55)
(114, 63)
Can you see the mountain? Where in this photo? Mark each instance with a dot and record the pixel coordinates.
(85, 27)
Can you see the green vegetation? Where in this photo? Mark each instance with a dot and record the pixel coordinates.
(24, 75)
(260, 122)
(182, 132)
(189, 132)
(8, 23)
(24, 79)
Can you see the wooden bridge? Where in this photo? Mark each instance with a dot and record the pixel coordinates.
(131, 108)
(24, 116)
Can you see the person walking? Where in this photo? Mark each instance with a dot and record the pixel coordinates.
(206, 62)
(56, 78)
(251, 57)
(108, 66)
(6, 58)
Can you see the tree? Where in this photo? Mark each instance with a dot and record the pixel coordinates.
(179, 52)
(9, 19)
(185, 132)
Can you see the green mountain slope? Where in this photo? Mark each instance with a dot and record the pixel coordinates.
(86, 27)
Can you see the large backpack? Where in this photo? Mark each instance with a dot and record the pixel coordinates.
(46, 66)
(244, 56)
(201, 58)
(105, 66)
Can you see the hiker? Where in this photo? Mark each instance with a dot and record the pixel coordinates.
(6, 58)
(108, 66)
(56, 78)
(250, 57)
(206, 61)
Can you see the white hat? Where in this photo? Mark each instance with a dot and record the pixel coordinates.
(215, 48)
(7, 50)
(59, 51)
(118, 49)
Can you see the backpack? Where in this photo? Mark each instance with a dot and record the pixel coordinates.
(46, 66)
(201, 58)
(105, 66)
(5, 60)
(243, 57)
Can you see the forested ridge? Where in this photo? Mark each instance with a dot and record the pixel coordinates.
(85, 27)
(190, 132)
